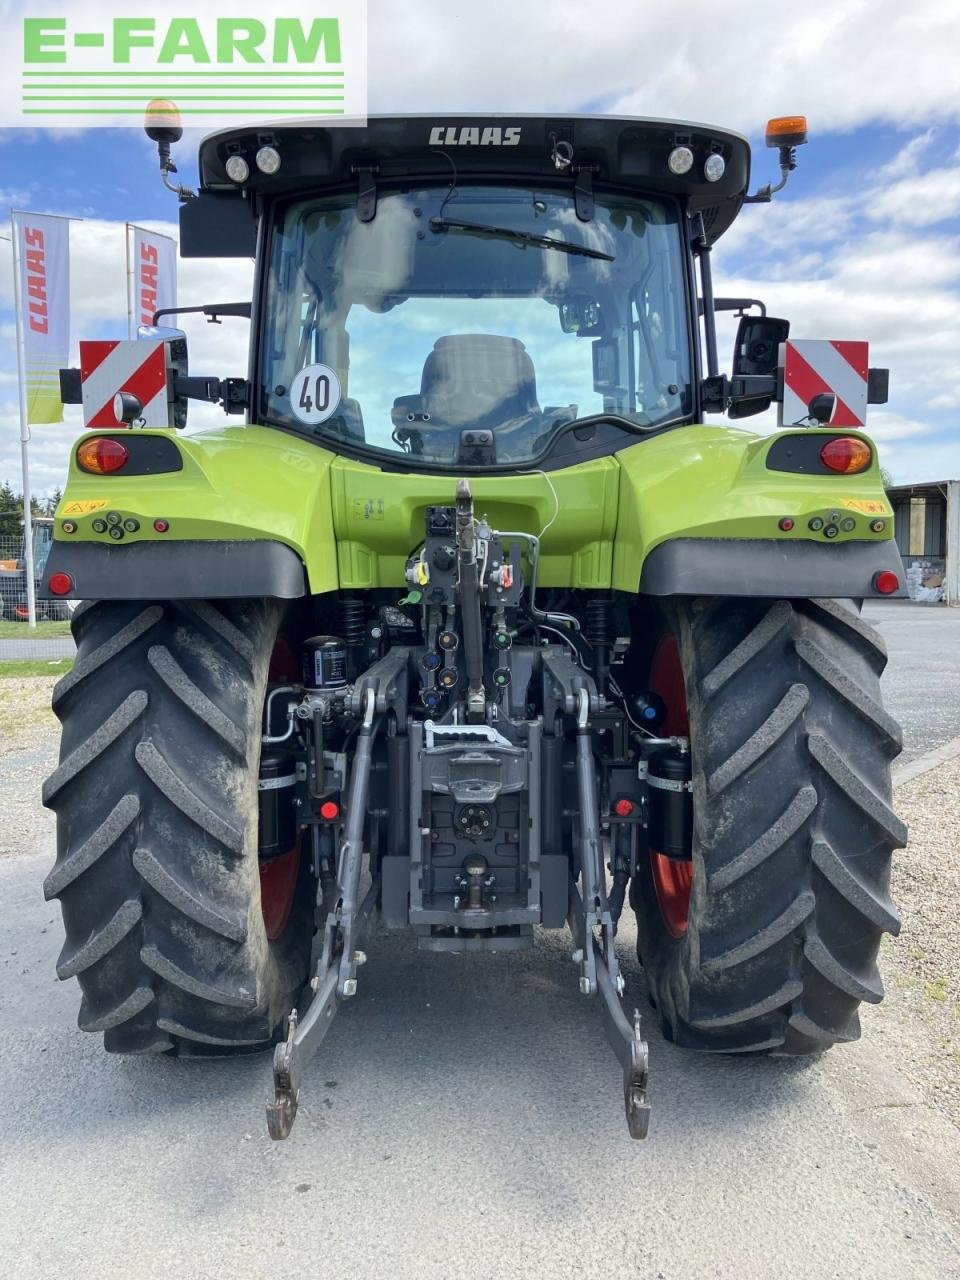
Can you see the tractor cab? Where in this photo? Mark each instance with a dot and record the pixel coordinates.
(479, 293)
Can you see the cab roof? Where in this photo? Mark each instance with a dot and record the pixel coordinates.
(590, 150)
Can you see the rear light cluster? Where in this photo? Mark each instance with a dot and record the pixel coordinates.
(846, 455)
(102, 455)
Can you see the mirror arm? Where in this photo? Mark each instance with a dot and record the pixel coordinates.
(212, 310)
(739, 305)
(788, 162)
(232, 393)
(719, 392)
(702, 250)
(167, 167)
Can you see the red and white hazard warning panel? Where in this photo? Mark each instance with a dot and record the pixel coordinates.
(139, 368)
(815, 367)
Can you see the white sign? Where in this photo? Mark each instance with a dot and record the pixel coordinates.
(97, 63)
(151, 276)
(43, 303)
(813, 367)
(315, 394)
(138, 368)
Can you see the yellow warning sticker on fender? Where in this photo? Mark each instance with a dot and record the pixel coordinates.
(83, 506)
(869, 506)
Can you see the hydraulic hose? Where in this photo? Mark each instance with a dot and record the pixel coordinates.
(470, 597)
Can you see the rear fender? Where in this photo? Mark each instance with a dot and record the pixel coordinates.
(708, 511)
(226, 513)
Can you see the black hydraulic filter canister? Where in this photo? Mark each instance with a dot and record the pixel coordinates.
(671, 804)
(278, 814)
(323, 662)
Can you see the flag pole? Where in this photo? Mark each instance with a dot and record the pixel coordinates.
(24, 411)
(24, 432)
(130, 325)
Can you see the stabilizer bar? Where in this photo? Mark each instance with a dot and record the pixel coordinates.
(631, 1050)
(345, 925)
(304, 1038)
(590, 914)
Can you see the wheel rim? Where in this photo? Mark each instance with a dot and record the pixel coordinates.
(279, 876)
(278, 887)
(672, 878)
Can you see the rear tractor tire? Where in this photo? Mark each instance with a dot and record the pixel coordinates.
(766, 942)
(157, 868)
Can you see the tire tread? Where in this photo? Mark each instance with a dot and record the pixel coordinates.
(794, 830)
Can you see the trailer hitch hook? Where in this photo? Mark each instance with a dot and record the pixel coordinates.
(282, 1112)
(635, 1101)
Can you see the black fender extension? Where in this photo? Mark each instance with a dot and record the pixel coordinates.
(177, 570)
(777, 568)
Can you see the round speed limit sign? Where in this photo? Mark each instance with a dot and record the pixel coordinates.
(315, 394)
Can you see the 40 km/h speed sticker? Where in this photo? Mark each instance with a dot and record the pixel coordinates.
(315, 394)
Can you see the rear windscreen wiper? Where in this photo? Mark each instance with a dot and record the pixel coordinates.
(527, 237)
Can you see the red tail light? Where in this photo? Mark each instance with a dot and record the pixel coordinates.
(102, 454)
(60, 584)
(329, 810)
(846, 454)
(886, 582)
(623, 807)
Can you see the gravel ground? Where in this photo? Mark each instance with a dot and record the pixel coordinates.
(922, 966)
(28, 752)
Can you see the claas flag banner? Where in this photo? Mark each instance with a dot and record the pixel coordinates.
(43, 301)
(151, 275)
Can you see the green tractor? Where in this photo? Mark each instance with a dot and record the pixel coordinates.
(472, 622)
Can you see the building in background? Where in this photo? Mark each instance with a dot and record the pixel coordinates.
(927, 524)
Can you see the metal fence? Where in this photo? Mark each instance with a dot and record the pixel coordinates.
(46, 645)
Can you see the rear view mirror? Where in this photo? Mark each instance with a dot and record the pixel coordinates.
(581, 316)
(757, 354)
(758, 345)
(176, 341)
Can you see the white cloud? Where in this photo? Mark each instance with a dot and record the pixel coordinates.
(844, 62)
(919, 200)
(907, 158)
(863, 265)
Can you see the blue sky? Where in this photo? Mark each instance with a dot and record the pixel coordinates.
(864, 243)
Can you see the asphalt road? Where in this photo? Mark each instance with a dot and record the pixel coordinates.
(18, 650)
(921, 685)
(464, 1119)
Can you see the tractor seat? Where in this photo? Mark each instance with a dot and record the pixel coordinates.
(472, 380)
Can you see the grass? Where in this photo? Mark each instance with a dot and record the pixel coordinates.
(35, 667)
(42, 631)
(937, 990)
